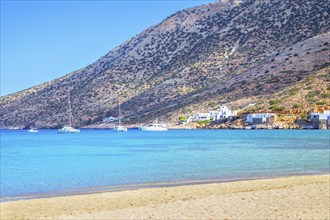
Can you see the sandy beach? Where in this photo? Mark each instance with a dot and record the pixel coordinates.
(298, 197)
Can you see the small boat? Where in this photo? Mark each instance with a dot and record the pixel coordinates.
(247, 127)
(154, 127)
(119, 127)
(68, 129)
(33, 130)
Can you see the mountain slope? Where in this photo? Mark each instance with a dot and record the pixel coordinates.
(224, 51)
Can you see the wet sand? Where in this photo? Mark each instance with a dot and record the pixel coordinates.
(297, 197)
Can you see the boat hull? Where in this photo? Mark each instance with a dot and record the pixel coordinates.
(68, 130)
(120, 129)
(153, 129)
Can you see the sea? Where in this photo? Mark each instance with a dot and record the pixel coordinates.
(49, 164)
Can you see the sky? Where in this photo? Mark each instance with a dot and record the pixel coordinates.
(44, 40)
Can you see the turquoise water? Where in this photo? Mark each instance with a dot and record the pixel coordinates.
(49, 163)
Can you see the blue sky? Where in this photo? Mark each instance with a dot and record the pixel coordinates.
(43, 40)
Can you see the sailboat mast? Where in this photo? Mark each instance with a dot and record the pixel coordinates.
(119, 114)
(70, 114)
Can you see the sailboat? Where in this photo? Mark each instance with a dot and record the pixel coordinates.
(119, 127)
(67, 129)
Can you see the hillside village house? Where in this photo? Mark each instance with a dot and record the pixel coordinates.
(320, 120)
(213, 115)
(109, 119)
(260, 118)
(224, 112)
(320, 116)
(201, 117)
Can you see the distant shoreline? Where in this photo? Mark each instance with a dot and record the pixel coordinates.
(169, 127)
(304, 197)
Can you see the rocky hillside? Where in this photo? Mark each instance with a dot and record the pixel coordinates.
(227, 51)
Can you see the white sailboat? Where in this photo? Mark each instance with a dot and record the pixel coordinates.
(68, 129)
(119, 127)
(154, 127)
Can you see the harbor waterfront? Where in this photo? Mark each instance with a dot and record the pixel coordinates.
(47, 163)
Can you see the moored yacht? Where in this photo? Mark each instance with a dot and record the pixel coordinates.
(33, 130)
(119, 128)
(154, 127)
(68, 129)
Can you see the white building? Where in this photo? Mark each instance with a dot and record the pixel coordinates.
(320, 116)
(221, 113)
(213, 115)
(259, 118)
(188, 119)
(224, 112)
(201, 117)
(109, 119)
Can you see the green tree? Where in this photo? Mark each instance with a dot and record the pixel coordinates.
(205, 122)
(321, 103)
(274, 102)
(278, 108)
(182, 118)
(297, 105)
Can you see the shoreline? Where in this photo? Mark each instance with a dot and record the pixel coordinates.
(173, 128)
(145, 200)
(147, 185)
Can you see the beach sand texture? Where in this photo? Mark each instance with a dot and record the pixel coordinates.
(298, 197)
